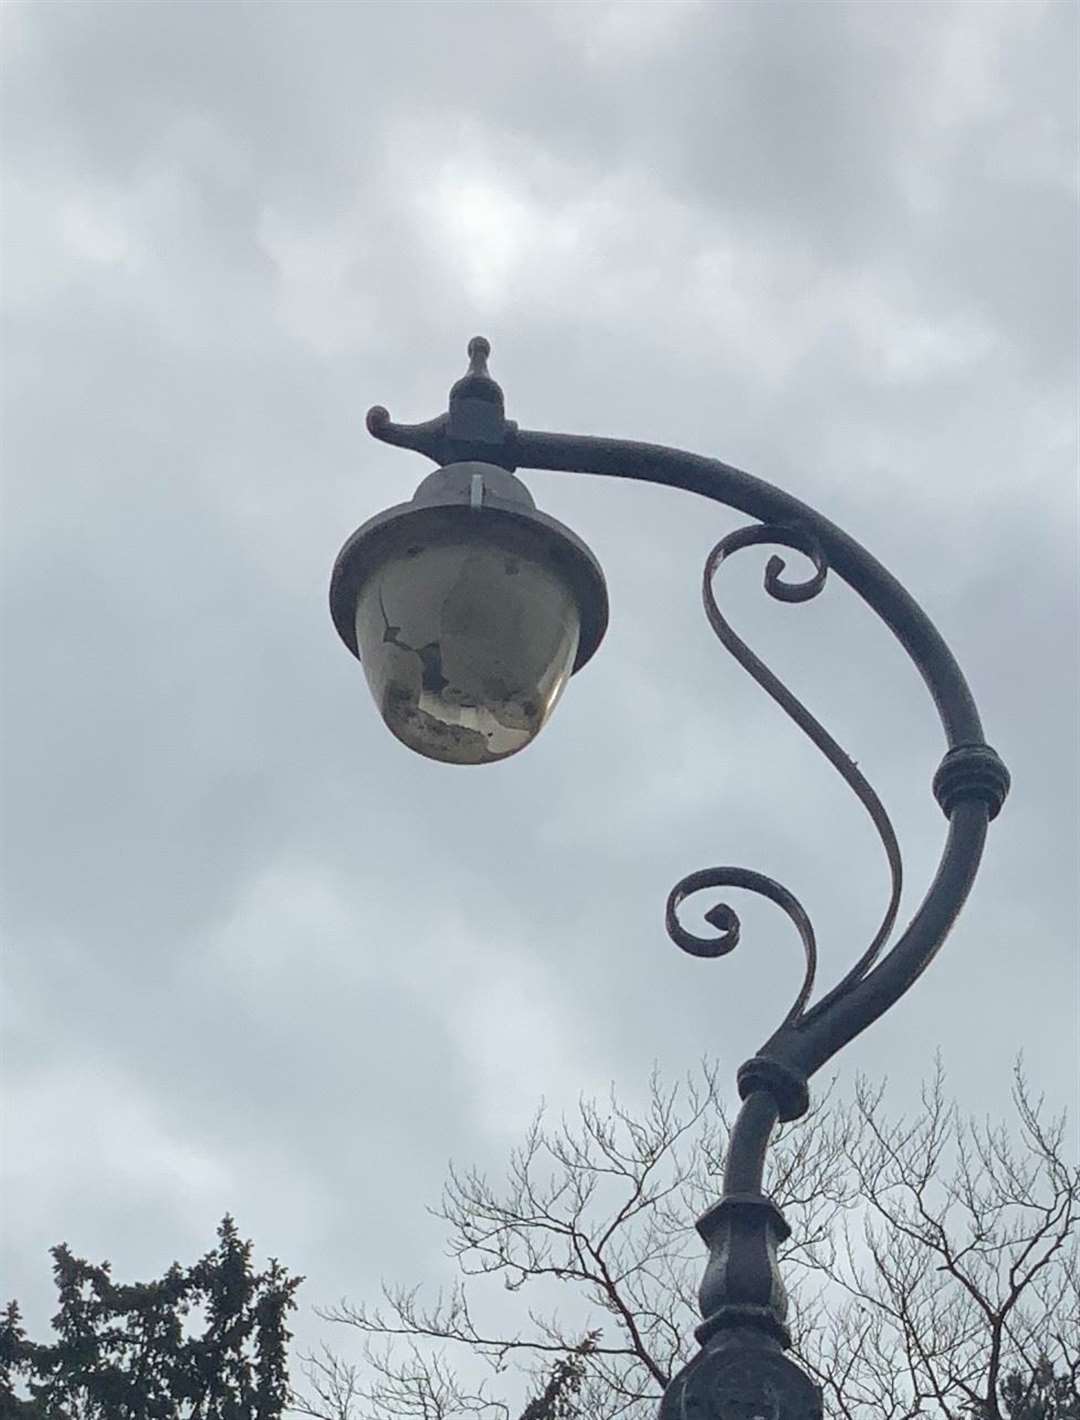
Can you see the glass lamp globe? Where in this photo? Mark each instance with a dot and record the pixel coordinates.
(469, 611)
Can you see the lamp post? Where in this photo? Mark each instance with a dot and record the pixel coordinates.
(470, 610)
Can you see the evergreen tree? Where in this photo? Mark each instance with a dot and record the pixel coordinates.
(139, 1352)
(1043, 1395)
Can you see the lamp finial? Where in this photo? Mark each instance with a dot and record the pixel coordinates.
(479, 350)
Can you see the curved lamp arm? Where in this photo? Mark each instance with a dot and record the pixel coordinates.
(971, 782)
(742, 1296)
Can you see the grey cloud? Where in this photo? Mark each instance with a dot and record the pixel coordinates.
(246, 927)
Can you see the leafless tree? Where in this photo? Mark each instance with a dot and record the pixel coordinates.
(960, 1269)
(932, 1257)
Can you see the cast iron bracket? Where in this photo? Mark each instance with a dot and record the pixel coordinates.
(741, 1370)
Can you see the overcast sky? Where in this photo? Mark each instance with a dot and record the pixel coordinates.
(258, 956)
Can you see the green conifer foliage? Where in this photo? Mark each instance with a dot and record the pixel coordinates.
(207, 1342)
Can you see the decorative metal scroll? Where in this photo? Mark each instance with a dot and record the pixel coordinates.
(723, 917)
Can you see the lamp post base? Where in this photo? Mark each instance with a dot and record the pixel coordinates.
(741, 1375)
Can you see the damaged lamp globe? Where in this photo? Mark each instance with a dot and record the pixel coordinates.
(469, 610)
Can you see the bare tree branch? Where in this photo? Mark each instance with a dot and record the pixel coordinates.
(933, 1260)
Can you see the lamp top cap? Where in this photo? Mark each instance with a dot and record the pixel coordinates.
(477, 383)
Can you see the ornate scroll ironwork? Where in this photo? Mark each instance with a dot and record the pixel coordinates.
(725, 919)
(723, 916)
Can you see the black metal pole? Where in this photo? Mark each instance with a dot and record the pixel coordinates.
(741, 1369)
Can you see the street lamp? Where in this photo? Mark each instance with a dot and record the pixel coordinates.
(470, 609)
